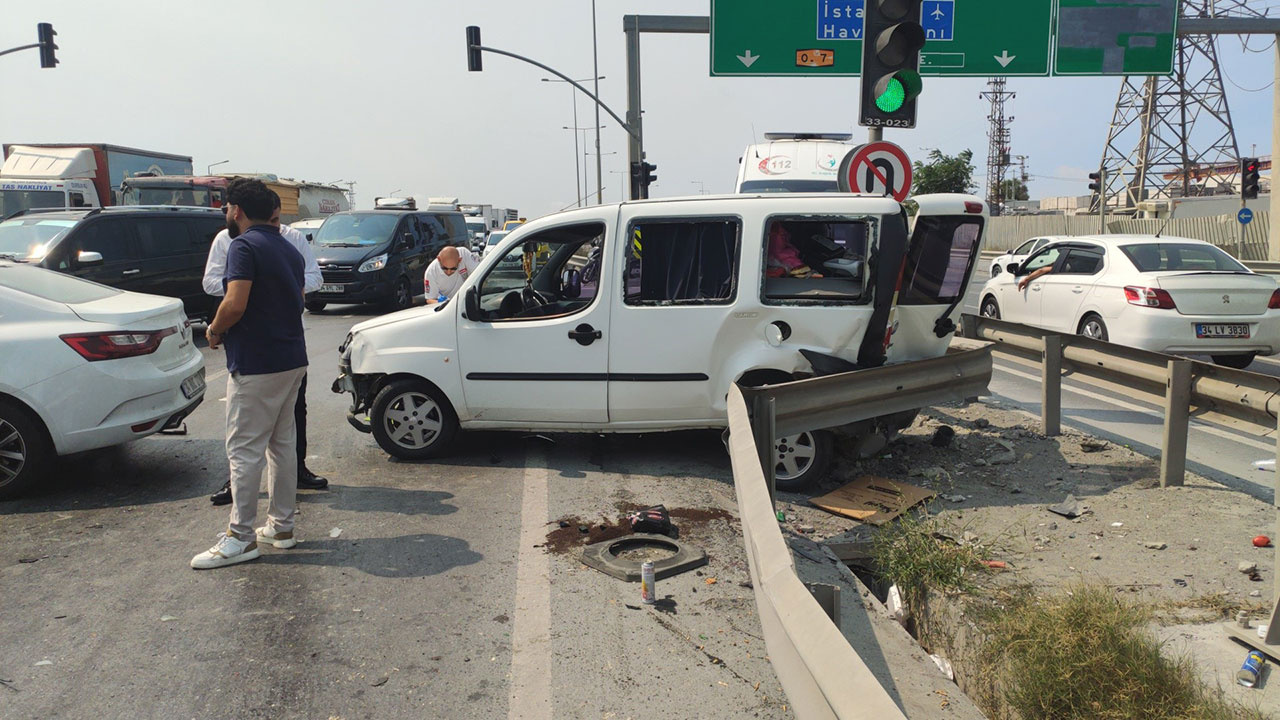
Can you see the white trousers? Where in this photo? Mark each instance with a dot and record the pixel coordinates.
(261, 432)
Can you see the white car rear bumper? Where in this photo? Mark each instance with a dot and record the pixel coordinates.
(1167, 331)
(97, 404)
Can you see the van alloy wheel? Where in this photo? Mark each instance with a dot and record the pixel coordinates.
(412, 420)
(800, 460)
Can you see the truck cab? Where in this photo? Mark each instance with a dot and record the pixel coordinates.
(637, 317)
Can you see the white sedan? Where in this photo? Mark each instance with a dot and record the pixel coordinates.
(1166, 294)
(85, 366)
(1021, 253)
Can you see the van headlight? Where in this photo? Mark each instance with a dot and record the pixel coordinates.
(373, 264)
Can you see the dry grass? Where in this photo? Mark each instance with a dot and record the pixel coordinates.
(1085, 653)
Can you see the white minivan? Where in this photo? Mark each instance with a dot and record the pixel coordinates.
(638, 316)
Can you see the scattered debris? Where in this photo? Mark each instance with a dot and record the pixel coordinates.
(995, 564)
(1093, 446)
(943, 436)
(1068, 508)
(945, 666)
(932, 472)
(893, 603)
(1117, 524)
(1096, 556)
(873, 500)
(654, 520)
(1247, 567)
(1179, 582)
(167, 618)
(1262, 541)
(954, 498)
(382, 680)
(710, 581)
(44, 662)
(28, 561)
(1255, 593)
(1155, 545)
(982, 423)
(335, 532)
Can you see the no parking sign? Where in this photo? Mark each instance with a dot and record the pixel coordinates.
(878, 168)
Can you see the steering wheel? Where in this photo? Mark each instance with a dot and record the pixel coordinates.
(533, 298)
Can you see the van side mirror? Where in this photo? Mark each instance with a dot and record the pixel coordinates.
(472, 299)
(406, 239)
(88, 258)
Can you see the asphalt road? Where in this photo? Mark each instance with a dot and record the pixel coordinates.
(1217, 452)
(418, 590)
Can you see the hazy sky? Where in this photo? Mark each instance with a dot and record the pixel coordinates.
(377, 91)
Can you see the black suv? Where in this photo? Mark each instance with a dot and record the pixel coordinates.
(157, 250)
(380, 255)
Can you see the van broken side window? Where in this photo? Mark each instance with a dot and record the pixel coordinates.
(819, 261)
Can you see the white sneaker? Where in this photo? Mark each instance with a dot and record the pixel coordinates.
(228, 551)
(282, 540)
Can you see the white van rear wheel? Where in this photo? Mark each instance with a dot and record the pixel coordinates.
(800, 460)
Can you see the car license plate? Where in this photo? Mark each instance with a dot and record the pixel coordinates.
(335, 289)
(193, 385)
(1215, 330)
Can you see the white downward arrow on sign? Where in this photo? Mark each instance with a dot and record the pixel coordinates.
(748, 58)
(1004, 58)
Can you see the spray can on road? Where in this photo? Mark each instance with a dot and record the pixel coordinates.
(648, 594)
(1248, 675)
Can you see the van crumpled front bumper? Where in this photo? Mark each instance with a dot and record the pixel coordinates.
(361, 391)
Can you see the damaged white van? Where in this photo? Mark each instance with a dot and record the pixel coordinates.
(637, 317)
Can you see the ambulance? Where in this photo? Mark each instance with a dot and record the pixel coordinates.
(793, 162)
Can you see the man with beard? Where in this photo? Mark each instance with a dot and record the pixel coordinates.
(214, 270)
(260, 320)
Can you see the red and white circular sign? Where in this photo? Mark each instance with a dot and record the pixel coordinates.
(878, 168)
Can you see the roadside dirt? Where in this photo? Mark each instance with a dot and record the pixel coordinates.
(572, 533)
(1179, 549)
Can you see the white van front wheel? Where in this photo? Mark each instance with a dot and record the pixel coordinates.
(800, 460)
(412, 420)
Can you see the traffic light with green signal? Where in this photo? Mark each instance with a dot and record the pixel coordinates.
(1249, 181)
(892, 39)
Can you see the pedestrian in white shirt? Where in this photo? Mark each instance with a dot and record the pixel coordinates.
(447, 272)
(214, 284)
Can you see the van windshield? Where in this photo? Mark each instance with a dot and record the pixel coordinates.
(785, 186)
(357, 229)
(29, 238)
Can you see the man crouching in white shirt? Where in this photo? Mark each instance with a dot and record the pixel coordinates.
(447, 272)
(214, 284)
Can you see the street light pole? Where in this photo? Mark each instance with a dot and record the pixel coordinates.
(622, 185)
(209, 170)
(595, 70)
(580, 184)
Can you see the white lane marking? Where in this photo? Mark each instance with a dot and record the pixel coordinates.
(1211, 430)
(530, 694)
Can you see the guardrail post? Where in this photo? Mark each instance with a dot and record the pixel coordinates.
(1051, 386)
(1177, 413)
(969, 326)
(828, 596)
(763, 424)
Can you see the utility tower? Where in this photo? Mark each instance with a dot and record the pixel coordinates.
(998, 159)
(1172, 136)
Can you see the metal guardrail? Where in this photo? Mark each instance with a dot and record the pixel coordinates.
(788, 409)
(821, 674)
(1184, 387)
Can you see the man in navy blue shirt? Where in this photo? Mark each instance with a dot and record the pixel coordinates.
(260, 321)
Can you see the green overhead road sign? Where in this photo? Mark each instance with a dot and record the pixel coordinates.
(1114, 37)
(824, 37)
(979, 38)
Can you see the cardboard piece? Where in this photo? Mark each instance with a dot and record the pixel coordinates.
(873, 500)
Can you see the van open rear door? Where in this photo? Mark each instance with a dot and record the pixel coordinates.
(941, 256)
